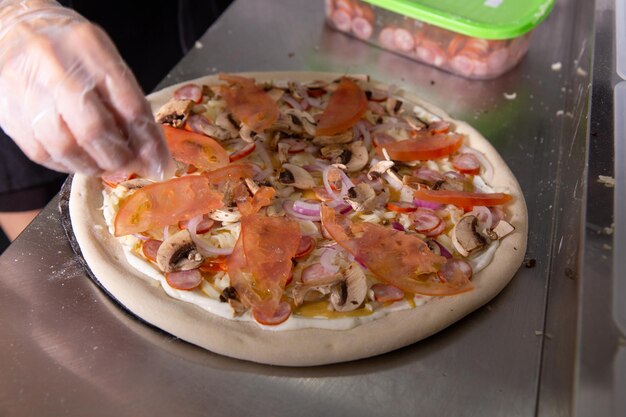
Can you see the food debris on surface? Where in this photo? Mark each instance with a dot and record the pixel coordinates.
(608, 181)
(510, 96)
(556, 66)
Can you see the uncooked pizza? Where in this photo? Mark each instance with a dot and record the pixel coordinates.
(313, 218)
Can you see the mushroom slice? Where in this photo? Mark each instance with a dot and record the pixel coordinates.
(414, 122)
(502, 228)
(465, 237)
(248, 134)
(425, 115)
(393, 106)
(226, 216)
(351, 292)
(300, 291)
(283, 152)
(345, 137)
(226, 122)
(300, 122)
(358, 156)
(174, 112)
(379, 168)
(361, 197)
(276, 93)
(296, 176)
(178, 253)
(252, 186)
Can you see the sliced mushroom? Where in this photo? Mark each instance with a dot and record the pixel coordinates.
(226, 216)
(301, 291)
(332, 152)
(351, 292)
(252, 186)
(502, 228)
(135, 183)
(248, 134)
(178, 253)
(359, 156)
(361, 197)
(226, 122)
(276, 93)
(283, 152)
(379, 168)
(465, 237)
(174, 112)
(414, 122)
(425, 115)
(296, 176)
(301, 122)
(345, 137)
(393, 106)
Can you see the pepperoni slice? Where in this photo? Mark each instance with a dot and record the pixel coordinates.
(386, 38)
(466, 163)
(401, 206)
(306, 246)
(184, 280)
(403, 40)
(425, 220)
(455, 270)
(362, 28)
(384, 293)
(280, 315)
(203, 227)
(244, 151)
(430, 53)
(341, 19)
(498, 60)
(112, 180)
(150, 248)
(189, 92)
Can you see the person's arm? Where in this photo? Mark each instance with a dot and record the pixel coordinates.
(68, 99)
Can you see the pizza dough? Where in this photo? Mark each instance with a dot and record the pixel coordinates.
(301, 347)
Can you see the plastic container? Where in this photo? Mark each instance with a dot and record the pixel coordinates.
(477, 39)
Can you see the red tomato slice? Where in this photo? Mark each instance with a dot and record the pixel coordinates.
(307, 244)
(166, 203)
(423, 147)
(395, 257)
(463, 199)
(231, 172)
(214, 264)
(401, 206)
(345, 107)
(261, 262)
(150, 248)
(261, 198)
(193, 148)
(249, 103)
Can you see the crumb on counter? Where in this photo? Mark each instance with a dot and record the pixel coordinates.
(510, 96)
(608, 182)
(556, 66)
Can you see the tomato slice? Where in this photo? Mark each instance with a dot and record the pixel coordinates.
(242, 152)
(423, 147)
(401, 207)
(193, 148)
(463, 199)
(249, 103)
(261, 262)
(394, 257)
(166, 203)
(345, 107)
(217, 264)
(231, 172)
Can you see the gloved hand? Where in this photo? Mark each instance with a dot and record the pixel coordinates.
(68, 99)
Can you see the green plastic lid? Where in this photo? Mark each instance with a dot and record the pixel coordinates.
(488, 19)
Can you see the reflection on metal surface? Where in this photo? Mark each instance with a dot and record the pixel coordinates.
(66, 347)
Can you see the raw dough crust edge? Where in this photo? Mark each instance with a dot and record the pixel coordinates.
(303, 347)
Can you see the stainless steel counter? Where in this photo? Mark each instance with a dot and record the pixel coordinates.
(67, 349)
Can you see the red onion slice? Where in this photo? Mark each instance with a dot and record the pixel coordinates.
(203, 247)
(426, 204)
(327, 258)
(292, 102)
(307, 208)
(288, 207)
(264, 155)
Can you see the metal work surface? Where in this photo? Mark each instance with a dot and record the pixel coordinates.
(67, 349)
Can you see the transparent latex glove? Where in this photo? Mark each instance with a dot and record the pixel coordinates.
(68, 99)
